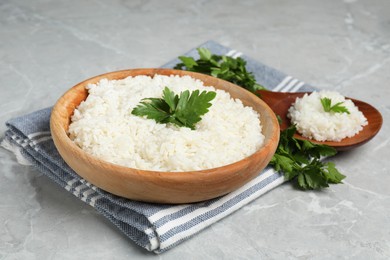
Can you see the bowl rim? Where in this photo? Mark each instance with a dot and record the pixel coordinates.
(153, 174)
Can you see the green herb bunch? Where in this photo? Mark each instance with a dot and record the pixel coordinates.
(300, 160)
(183, 110)
(336, 108)
(223, 67)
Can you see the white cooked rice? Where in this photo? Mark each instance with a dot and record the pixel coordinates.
(103, 126)
(308, 114)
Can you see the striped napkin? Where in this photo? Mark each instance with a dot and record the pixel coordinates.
(155, 227)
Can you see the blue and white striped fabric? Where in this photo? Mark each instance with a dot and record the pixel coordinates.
(155, 227)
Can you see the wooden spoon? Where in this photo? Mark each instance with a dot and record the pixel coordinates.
(280, 102)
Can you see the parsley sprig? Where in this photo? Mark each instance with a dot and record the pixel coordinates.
(336, 108)
(220, 66)
(185, 109)
(299, 160)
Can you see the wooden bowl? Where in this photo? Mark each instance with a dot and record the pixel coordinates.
(158, 186)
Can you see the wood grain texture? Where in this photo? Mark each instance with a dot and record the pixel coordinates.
(280, 102)
(155, 186)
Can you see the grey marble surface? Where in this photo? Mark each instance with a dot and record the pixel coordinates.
(47, 46)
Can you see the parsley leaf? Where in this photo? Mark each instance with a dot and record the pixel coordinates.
(332, 174)
(183, 110)
(336, 108)
(220, 66)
